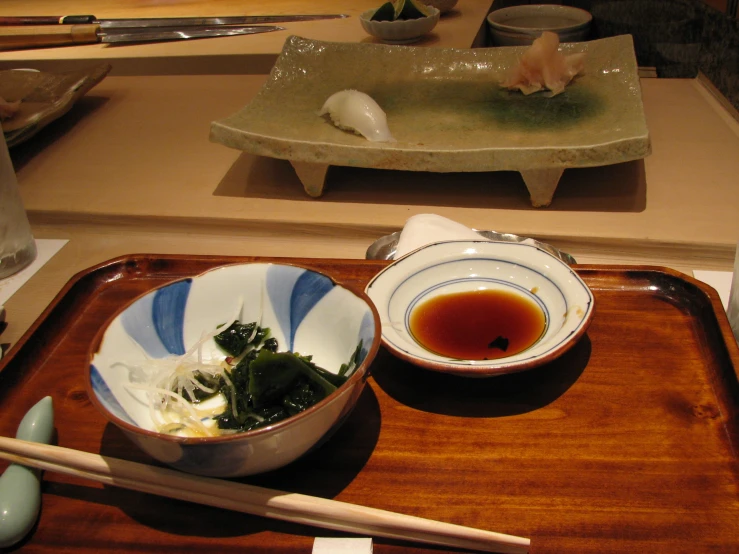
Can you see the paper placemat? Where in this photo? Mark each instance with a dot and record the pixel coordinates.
(331, 545)
(720, 280)
(46, 249)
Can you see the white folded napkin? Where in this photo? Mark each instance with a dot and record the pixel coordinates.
(423, 229)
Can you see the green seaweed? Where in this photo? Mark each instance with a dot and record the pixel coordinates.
(267, 386)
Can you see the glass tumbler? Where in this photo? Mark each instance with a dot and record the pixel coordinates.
(17, 246)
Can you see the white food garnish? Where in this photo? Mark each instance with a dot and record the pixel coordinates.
(170, 385)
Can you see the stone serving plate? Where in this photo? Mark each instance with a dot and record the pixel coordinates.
(446, 110)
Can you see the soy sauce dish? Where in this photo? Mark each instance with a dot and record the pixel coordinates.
(480, 308)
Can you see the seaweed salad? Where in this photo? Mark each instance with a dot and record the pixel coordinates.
(254, 386)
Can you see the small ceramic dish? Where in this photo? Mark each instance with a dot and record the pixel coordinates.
(400, 31)
(306, 312)
(521, 25)
(44, 97)
(449, 268)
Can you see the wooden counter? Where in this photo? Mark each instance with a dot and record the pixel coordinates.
(137, 149)
(130, 169)
(463, 27)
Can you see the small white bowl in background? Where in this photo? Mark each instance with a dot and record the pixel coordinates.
(462, 266)
(521, 25)
(400, 31)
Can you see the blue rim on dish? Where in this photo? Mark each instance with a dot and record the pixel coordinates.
(453, 266)
(421, 296)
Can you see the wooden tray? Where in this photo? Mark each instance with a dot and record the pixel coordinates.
(626, 444)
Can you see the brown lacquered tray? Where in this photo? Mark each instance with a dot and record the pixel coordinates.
(628, 443)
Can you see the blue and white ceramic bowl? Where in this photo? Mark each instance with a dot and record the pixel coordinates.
(462, 266)
(306, 311)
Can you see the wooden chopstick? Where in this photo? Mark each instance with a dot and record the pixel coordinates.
(240, 497)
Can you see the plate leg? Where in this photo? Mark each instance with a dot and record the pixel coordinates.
(312, 175)
(541, 184)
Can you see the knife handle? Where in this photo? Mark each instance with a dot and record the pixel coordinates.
(14, 38)
(48, 20)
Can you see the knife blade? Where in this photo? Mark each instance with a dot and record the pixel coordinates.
(142, 34)
(13, 38)
(163, 21)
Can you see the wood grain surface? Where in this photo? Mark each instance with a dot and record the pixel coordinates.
(628, 443)
(13, 38)
(80, 171)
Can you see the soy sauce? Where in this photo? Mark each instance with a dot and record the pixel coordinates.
(477, 325)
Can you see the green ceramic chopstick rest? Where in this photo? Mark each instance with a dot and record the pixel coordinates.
(20, 486)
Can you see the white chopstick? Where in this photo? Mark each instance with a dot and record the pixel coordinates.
(297, 508)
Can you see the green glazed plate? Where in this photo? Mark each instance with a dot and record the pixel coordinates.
(445, 108)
